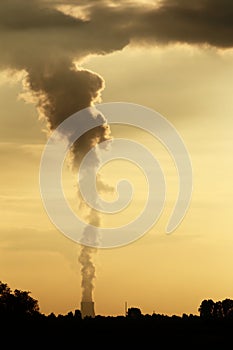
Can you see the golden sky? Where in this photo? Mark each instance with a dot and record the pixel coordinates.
(188, 80)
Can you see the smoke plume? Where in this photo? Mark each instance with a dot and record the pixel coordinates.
(89, 143)
(85, 258)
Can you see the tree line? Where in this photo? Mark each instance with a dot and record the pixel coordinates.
(21, 303)
(216, 310)
(22, 324)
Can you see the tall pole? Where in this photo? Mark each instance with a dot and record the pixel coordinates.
(126, 308)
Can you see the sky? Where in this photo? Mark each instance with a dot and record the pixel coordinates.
(172, 56)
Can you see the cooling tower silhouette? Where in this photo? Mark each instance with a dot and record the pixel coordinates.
(87, 309)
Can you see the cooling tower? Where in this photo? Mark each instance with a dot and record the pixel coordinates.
(87, 309)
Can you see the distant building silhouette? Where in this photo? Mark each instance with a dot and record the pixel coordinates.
(87, 309)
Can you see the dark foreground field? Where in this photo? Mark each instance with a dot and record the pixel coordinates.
(146, 331)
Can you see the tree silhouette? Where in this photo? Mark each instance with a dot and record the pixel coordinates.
(218, 310)
(206, 309)
(227, 306)
(17, 302)
(77, 314)
(6, 299)
(24, 303)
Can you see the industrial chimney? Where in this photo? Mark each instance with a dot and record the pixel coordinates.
(87, 309)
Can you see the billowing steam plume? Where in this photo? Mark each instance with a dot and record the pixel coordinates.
(89, 142)
(64, 90)
(60, 92)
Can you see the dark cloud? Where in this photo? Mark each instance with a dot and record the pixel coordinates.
(37, 33)
(23, 15)
(200, 22)
(35, 36)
